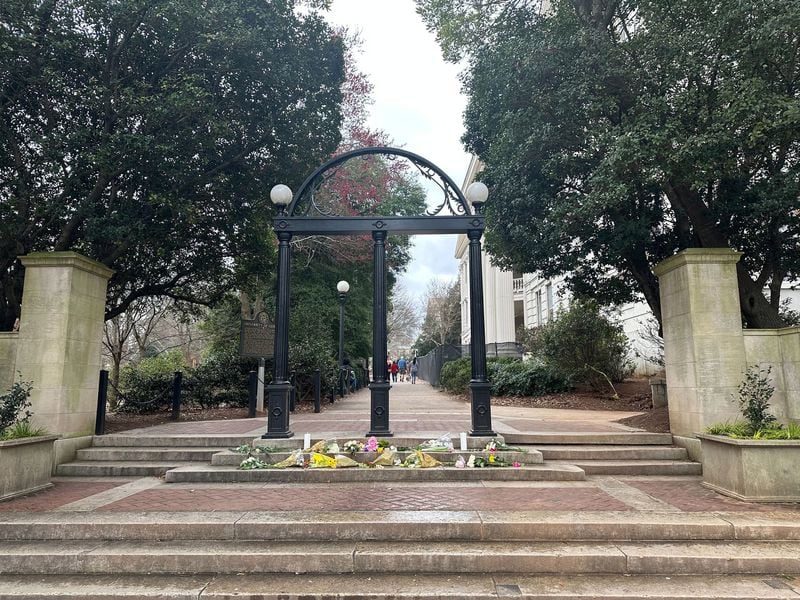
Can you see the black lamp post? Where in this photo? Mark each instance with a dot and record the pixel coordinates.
(278, 390)
(479, 386)
(342, 287)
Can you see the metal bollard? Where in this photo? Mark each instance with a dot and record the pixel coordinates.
(252, 394)
(317, 390)
(102, 398)
(176, 395)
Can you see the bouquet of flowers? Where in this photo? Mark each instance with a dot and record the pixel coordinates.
(295, 459)
(345, 461)
(441, 444)
(497, 445)
(251, 462)
(386, 459)
(320, 461)
(353, 446)
(420, 460)
(480, 462)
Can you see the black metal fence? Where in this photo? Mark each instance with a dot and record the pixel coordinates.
(430, 365)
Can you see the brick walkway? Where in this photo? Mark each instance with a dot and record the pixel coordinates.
(416, 409)
(684, 495)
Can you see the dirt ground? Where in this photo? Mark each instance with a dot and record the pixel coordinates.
(634, 395)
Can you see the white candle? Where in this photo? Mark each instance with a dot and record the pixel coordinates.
(307, 441)
(463, 442)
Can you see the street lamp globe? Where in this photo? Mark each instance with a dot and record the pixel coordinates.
(281, 195)
(477, 193)
(343, 287)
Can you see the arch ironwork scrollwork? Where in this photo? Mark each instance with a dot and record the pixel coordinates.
(309, 201)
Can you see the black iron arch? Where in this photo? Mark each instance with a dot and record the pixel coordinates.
(303, 203)
(314, 219)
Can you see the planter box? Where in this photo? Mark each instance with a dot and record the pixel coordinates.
(752, 470)
(25, 465)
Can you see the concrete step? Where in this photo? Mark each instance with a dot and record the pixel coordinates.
(228, 474)
(173, 441)
(139, 453)
(400, 525)
(118, 468)
(623, 438)
(532, 457)
(580, 452)
(634, 467)
(240, 556)
(445, 586)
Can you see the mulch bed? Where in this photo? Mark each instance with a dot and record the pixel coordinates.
(634, 396)
(117, 422)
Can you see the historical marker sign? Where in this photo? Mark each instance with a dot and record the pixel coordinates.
(257, 338)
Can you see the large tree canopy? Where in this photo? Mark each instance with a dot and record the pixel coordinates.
(615, 133)
(146, 134)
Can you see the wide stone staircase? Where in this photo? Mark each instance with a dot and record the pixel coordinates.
(422, 555)
(400, 554)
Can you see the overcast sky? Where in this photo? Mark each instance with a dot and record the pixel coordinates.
(418, 102)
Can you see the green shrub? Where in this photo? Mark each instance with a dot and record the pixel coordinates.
(509, 377)
(583, 346)
(455, 376)
(15, 406)
(526, 378)
(754, 395)
(146, 387)
(220, 379)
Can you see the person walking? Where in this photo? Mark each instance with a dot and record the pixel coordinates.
(414, 369)
(401, 365)
(393, 370)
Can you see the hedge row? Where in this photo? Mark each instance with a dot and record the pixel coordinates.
(508, 376)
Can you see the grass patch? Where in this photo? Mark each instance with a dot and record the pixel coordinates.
(743, 430)
(22, 429)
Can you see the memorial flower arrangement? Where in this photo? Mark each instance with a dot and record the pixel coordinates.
(500, 446)
(353, 446)
(440, 444)
(325, 455)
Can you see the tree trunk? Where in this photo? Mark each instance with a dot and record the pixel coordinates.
(756, 309)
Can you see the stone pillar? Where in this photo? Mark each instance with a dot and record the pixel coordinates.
(60, 336)
(504, 309)
(703, 343)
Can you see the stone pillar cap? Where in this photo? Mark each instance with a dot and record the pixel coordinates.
(697, 256)
(66, 259)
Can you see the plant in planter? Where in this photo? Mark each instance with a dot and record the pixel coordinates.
(754, 459)
(26, 452)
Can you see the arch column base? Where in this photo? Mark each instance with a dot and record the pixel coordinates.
(479, 392)
(278, 411)
(379, 409)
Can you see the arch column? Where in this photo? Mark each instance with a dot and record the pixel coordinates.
(379, 388)
(479, 387)
(278, 390)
